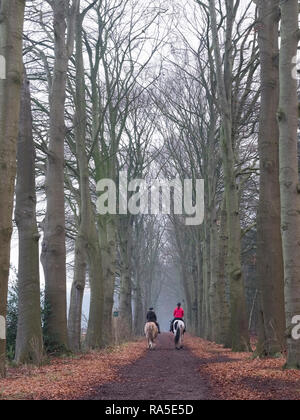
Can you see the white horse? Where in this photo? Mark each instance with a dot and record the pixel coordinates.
(178, 330)
(151, 332)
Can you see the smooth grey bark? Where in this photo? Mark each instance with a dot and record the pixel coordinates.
(11, 35)
(206, 312)
(214, 304)
(54, 247)
(139, 312)
(77, 292)
(108, 244)
(87, 250)
(138, 266)
(270, 275)
(215, 309)
(29, 344)
(239, 324)
(94, 338)
(289, 173)
(86, 216)
(183, 250)
(96, 260)
(224, 336)
(102, 255)
(199, 260)
(125, 240)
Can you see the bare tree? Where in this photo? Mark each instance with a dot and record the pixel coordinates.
(289, 173)
(54, 247)
(87, 238)
(239, 325)
(29, 345)
(11, 34)
(269, 245)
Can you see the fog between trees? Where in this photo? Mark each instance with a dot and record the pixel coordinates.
(200, 90)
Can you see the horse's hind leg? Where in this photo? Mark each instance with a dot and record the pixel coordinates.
(181, 342)
(149, 343)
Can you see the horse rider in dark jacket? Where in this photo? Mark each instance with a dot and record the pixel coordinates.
(151, 317)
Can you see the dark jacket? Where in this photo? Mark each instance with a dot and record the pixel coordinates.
(151, 316)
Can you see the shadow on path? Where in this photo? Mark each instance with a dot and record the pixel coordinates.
(162, 374)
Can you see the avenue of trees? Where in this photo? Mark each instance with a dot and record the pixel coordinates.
(157, 90)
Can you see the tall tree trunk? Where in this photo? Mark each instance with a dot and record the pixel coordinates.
(269, 244)
(11, 34)
(194, 287)
(239, 326)
(54, 246)
(289, 174)
(87, 244)
(77, 293)
(108, 246)
(86, 212)
(94, 337)
(139, 312)
(125, 234)
(96, 259)
(224, 337)
(206, 313)
(214, 303)
(240, 340)
(199, 258)
(29, 345)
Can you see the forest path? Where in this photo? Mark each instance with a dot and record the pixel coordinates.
(163, 374)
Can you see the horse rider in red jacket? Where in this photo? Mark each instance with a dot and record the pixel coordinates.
(178, 315)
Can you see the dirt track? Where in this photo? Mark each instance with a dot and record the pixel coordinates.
(163, 374)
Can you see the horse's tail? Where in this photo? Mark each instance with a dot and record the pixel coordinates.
(152, 331)
(177, 336)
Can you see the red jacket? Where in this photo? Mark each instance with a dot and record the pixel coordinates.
(178, 313)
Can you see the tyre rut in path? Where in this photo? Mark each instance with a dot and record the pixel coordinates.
(162, 374)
